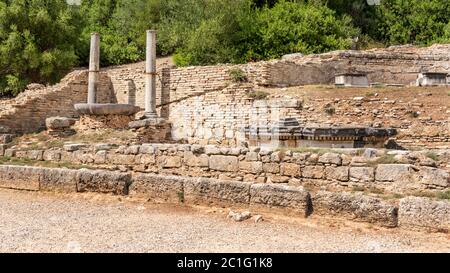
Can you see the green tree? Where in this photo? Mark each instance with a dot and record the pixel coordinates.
(291, 27)
(37, 41)
(413, 21)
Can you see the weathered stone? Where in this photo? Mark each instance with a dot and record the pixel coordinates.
(59, 122)
(281, 196)
(59, 180)
(35, 155)
(252, 156)
(355, 207)
(192, 160)
(277, 156)
(103, 181)
(239, 216)
(330, 158)
(170, 161)
(223, 163)
(433, 177)
(362, 174)
(147, 149)
(158, 187)
(417, 212)
(277, 179)
(105, 147)
(290, 169)
(207, 191)
(313, 172)
(120, 159)
(100, 157)
(337, 173)
(52, 155)
(20, 178)
(212, 150)
(6, 138)
(393, 172)
(251, 167)
(132, 150)
(271, 167)
(74, 147)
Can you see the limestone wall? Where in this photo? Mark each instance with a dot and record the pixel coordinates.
(409, 212)
(27, 112)
(398, 172)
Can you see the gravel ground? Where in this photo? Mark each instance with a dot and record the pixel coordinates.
(40, 222)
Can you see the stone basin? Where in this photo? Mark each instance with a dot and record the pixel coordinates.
(99, 109)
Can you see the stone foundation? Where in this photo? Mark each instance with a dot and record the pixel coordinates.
(89, 122)
(416, 213)
(334, 170)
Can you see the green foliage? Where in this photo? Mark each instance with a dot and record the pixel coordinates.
(258, 95)
(413, 21)
(237, 75)
(41, 39)
(36, 42)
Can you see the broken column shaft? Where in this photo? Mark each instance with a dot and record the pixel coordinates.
(150, 75)
(94, 68)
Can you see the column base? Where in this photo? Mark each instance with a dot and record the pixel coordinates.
(150, 115)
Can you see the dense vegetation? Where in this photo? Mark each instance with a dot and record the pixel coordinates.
(41, 39)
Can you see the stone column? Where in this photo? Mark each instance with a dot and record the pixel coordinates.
(150, 75)
(94, 68)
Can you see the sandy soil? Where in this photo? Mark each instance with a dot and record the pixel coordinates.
(43, 222)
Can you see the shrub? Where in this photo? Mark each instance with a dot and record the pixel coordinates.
(37, 41)
(237, 75)
(258, 95)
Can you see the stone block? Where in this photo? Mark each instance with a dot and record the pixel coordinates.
(337, 173)
(313, 172)
(424, 213)
(280, 197)
(362, 174)
(356, 207)
(224, 163)
(158, 187)
(290, 169)
(192, 160)
(393, 172)
(20, 178)
(170, 161)
(103, 181)
(251, 167)
(208, 191)
(271, 167)
(330, 158)
(434, 178)
(59, 180)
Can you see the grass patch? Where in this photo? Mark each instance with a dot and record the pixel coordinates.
(432, 155)
(4, 160)
(258, 95)
(376, 190)
(237, 75)
(443, 195)
(358, 189)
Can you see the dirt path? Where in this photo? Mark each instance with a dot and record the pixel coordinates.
(38, 222)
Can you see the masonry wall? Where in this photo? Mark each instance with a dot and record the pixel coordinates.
(27, 112)
(348, 170)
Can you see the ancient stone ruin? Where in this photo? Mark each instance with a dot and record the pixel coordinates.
(359, 135)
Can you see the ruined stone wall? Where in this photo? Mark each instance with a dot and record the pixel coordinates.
(369, 170)
(177, 84)
(27, 112)
(394, 65)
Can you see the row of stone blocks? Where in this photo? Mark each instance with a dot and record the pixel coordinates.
(411, 212)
